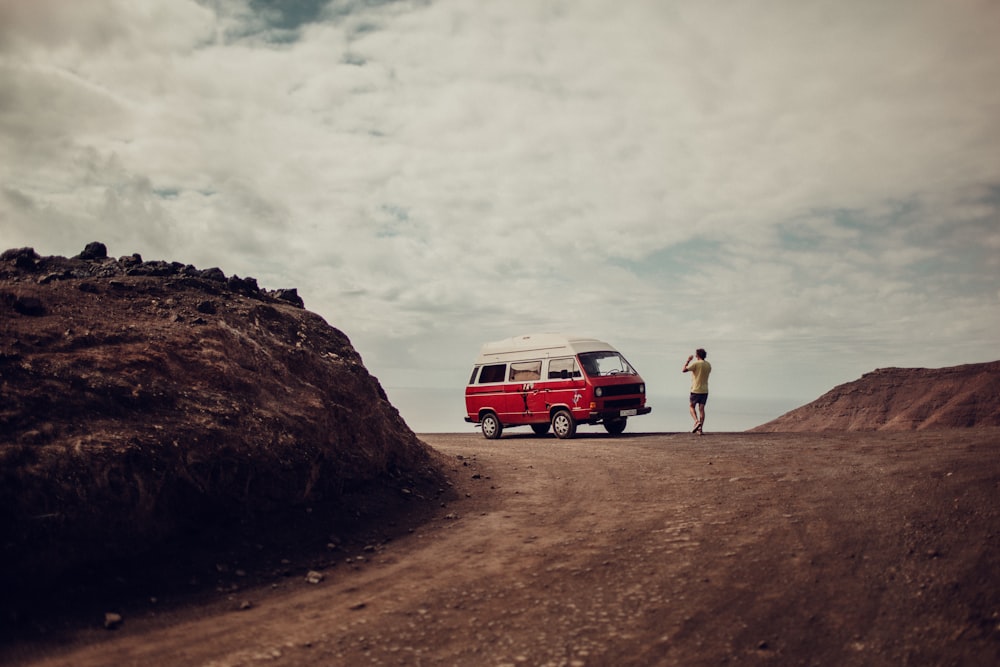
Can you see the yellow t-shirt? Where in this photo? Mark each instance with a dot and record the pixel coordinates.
(700, 370)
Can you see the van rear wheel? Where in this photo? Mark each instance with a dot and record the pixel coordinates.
(615, 426)
(540, 429)
(563, 425)
(492, 428)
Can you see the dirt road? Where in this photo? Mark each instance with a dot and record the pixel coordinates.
(659, 549)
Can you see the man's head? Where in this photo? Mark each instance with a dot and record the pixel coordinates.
(701, 353)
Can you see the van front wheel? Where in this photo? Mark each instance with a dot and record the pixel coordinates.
(563, 425)
(492, 428)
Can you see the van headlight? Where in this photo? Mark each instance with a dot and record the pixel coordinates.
(642, 388)
(599, 392)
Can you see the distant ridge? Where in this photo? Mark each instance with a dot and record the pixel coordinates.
(903, 399)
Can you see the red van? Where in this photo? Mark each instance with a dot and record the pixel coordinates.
(552, 380)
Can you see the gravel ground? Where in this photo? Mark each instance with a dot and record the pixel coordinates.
(646, 549)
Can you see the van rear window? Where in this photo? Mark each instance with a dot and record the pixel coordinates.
(525, 371)
(492, 373)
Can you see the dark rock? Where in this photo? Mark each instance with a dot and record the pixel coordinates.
(94, 250)
(214, 273)
(207, 307)
(12, 254)
(29, 305)
(60, 275)
(291, 296)
(25, 259)
(128, 261)
(154, 268)
(106, 269)
(246, 286)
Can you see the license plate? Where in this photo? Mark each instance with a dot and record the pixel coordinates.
(628, 413)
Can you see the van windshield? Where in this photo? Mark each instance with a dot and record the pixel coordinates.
(597, 364)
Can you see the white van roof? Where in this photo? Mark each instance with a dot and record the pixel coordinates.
(539, 346)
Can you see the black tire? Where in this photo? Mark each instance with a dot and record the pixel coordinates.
(615, 426)
(492, 428)
(540, 429)
(563, 424)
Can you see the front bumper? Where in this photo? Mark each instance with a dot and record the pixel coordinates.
(597, 416)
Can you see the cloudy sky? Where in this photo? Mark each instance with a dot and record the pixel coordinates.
(808, 190)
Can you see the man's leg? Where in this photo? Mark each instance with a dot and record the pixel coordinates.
(694, 415)
(701, 419)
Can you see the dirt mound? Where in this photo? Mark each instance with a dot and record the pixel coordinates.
(147, 402)
(903, 399)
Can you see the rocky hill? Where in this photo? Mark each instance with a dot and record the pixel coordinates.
(903, 399)
(144, 403)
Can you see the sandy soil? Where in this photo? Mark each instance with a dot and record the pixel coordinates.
(647, 549)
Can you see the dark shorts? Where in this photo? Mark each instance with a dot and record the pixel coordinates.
(699, 398)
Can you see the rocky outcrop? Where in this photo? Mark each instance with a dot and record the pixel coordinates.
(141, 401)
(903, 399)
(94, 262)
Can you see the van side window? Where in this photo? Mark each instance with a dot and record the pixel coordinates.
(492, 373)
(563, 369)
(525, 371)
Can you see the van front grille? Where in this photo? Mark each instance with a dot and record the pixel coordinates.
(624, 403)
(620, 389)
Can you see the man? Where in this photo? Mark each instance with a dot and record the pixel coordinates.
(700, 371)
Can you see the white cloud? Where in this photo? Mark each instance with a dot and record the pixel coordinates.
(784, 177)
